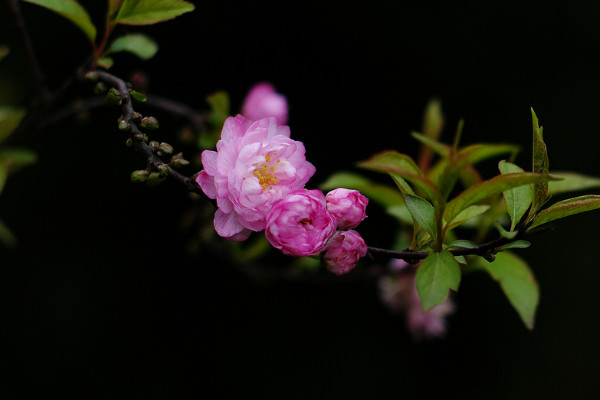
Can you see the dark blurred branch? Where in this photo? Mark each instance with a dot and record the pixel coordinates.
(37, 77)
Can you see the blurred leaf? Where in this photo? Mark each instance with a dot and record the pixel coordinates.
(220, 106)
(401, 167)
(440, 148)
(4, 50)
(73, 11)
(147, 12)
(517, 244)
(566, 208)
(481, 152)
(488, 188)
(138, 96)
(16, 158)
(6, 236)
(571, 182)
(518, 199)
(433, 120)
(3, 176)
(113, 7)
(134, 43)
(422, 212)
(461, 244)
(517, 282)
(437, 273)
(10, 118)
(466, 215)
(105, 62)
(540, 164)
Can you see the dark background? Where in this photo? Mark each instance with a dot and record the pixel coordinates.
(100, 300)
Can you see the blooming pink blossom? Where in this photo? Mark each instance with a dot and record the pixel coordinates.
(347, 206)
(399, 293)
(256, 164)
(262, 101)
(343, 251)
(299, 224)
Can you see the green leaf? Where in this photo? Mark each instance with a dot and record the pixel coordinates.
(481, 152)
(3, 176)
(571, 182)
(138, 96)
(541, 164)
(518, 283)
(105, 62)
(517, 244)
(437, 273)
(518, 199)
(73, 11)
(113, 7)
(147, 12)
(504, 233)
(466, 215)
(461, 244)
(4, 50)
(220, 106)
(400, 167)
(16, 158)
(485, 189)
(6, 236)
(440, 148)
(387, 197)
(566, 208)
(10, 118)
(134, 43)
(433, 120)
(423, 212)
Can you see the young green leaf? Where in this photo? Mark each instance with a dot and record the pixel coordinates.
(440, 148)
(73, 11)
(541, 164)
(16, 158)
(466, 215)
(147, 12)
(488, 188)
(504, 233)
(4, 50)
(517, 282)
(518, 199)
(437, 273)
(105, 62)
(6, 236)
(423, 212)
(10, 118)
(461, 244)
(566, 208)
(135, 43)
(571, 182)
(517, 244)
(3, 176)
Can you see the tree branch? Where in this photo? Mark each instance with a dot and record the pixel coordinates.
(127, 118)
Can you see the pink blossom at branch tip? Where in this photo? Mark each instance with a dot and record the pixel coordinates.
(399, 293)
(255, 165)
(262, 101)
(299, 224)
(343, 251)
(347, 206)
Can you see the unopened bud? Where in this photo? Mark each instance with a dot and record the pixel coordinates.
(100, 88)
(136, 117)
(153, 144)
(149, 123)
(179, 162)
(91, 76)
(164, 170)
(142, 137)
(129, 142)
(114, 97)
(139, 176)
(154, 179)
(124, 125)
(165, 148)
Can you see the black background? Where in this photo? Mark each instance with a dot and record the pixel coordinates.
(100, 301)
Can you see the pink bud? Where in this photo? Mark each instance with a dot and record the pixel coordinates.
(347, 206)
(299, 224)
(343, 251)
(262, 101)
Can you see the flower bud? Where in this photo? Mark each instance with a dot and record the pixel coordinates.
(262, 101)
(99, 88)
(136, 117)
(166, 148)
(154, 179)
(139, 176)
(114, 97)
(163, 170)
(343, 251)
(149, 123)
(124, 125)
(347, 206)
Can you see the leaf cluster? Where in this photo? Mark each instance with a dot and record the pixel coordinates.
(443, 190)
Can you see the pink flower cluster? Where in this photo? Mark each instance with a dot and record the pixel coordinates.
(257, 176)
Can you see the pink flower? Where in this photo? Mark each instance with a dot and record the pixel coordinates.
(262, 101)
(347, 206)
(299, 224)
(343, 251)
(256, 164)
(399, 293)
